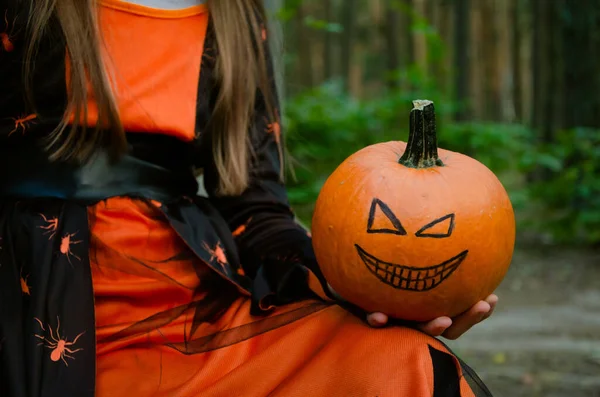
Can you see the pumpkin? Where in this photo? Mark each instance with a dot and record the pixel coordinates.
(413, 231)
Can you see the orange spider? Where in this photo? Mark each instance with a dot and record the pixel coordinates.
(58, 344)
(24, 287)
(217, 253)
(51, 226)
(241, 229)
(22, 123)
(5, 38)
(65, 247)
(156, 203)
(274, 127)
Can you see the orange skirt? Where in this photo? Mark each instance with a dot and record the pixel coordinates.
(165, 328)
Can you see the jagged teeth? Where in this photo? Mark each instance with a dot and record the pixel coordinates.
(407, 278)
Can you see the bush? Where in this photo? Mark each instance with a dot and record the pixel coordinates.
(324, 126)
(567, 196)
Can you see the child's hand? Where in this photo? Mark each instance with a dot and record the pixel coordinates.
(445, 326)
(449, 328)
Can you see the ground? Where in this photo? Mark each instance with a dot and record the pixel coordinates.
(544, 338)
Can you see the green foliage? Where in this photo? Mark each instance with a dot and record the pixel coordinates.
(320, 24)
(498, 146)
(555, 188)
(567, 194)
(324, 126)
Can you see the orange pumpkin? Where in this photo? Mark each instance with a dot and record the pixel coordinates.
(413, 231)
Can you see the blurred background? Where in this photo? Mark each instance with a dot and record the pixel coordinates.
(516, 84)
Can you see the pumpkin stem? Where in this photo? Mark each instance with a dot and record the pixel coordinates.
(421, 149)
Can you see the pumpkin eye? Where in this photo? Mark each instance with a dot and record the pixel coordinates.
(383, 220)
(439, 228)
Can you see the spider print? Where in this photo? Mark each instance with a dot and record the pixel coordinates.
(5, 37)
(156, 203)
(50, 227)
(22, 123)
(217, 253)
(25, 289)
(59, 346)
(274, 127)
(241, 229)
(65, 246)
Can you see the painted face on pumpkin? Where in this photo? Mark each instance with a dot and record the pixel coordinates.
(405, 277)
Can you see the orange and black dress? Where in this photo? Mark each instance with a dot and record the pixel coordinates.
(117, 280)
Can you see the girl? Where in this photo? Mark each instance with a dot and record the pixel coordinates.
(115, 278)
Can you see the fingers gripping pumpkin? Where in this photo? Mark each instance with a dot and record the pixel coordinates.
(401, 230)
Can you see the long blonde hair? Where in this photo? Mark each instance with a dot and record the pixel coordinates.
(241, 69)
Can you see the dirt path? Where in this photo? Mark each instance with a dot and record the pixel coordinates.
(544, 338)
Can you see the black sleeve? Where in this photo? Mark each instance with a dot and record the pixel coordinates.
(275, 252)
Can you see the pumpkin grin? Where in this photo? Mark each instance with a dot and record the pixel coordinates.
(428, 211)
(409, 278)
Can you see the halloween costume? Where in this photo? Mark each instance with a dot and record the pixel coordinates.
(116, 280)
